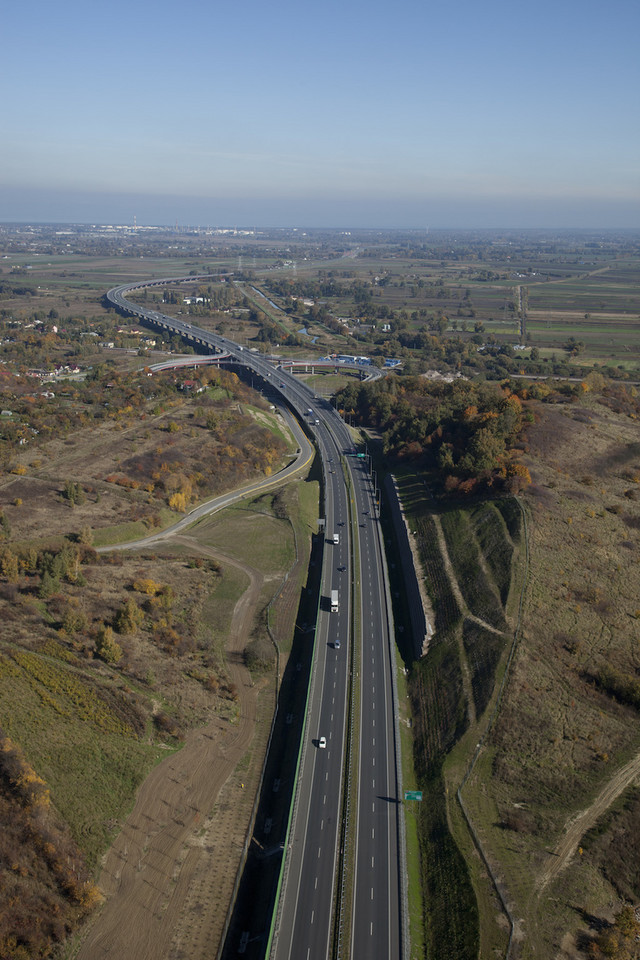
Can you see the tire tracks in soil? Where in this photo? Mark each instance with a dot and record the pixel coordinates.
(156, 863)
(577, 826)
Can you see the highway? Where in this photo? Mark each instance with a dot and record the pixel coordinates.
(307, 913)
(376, 926)
(305, 922)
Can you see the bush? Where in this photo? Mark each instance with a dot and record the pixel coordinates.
(260, 654)
(107, 647)
(150, 587)
(624, 687)
(129, 618)
(167, 725)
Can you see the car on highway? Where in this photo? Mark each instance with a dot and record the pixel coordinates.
(322, 743)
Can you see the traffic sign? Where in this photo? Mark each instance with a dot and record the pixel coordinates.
(413, 794)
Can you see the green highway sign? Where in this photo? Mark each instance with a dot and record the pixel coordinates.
(413, 794)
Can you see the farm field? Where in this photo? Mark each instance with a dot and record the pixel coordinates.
(385, 297)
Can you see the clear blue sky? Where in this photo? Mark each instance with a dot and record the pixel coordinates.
(350, 113)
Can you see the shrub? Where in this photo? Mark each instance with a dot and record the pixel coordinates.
(260, 654)
(107, 647)
(167, 725)
(129, 618)
(622, 686)
(150, 587)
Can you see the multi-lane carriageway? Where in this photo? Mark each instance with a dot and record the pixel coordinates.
(310, 922)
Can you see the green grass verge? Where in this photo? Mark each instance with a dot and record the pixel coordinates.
(250, 532)
(470, 569)
(439, 709)
(412, 839)
(93, 774)
(136, 530)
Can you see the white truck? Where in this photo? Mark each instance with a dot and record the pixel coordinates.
(336, 538)
(334, 601)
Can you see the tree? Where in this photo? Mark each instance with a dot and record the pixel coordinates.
(178, 501)
(107, 647)
(74, 493)
(5, 529)
(9, 565)
(75, 619)
(618, 941)
(85, 536)
(48, 585)
(484, 454)
(129, 618)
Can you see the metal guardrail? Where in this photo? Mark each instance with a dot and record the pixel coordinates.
(272, 939)
(347, 790)
(340, 951)
(347, 803)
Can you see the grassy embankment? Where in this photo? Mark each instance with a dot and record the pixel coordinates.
(568, 724)
(450, 690)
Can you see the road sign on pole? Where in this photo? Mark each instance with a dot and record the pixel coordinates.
(413, 794)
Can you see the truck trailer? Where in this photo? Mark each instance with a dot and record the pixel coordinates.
(334, 601)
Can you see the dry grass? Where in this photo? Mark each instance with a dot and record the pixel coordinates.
(559, 739)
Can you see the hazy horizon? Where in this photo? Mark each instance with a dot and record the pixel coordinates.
(467, 115)
(87, 208)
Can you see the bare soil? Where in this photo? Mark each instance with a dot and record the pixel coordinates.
(168, 878)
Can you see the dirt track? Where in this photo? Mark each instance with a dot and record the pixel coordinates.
(577, 826)
(168, 878)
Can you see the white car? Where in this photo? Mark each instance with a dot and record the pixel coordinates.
(322, 743)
